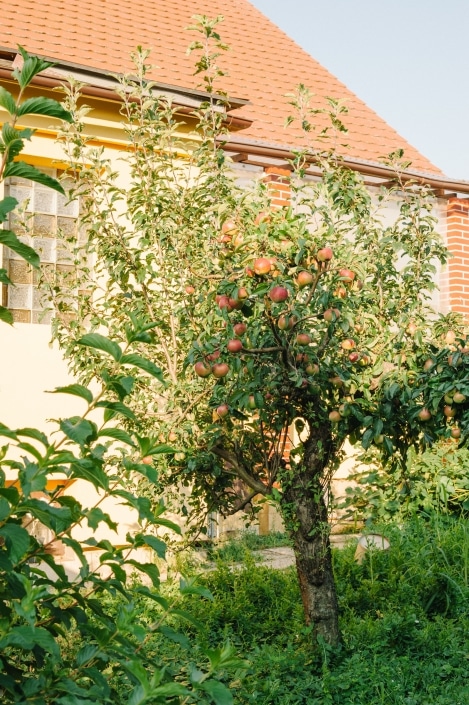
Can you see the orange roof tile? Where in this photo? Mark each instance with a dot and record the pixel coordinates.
(263, 64)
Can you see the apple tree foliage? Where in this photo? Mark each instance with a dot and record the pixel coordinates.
(310, 325)
(71, 633)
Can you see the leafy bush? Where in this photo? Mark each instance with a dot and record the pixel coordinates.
(435, 481)
(235, 549)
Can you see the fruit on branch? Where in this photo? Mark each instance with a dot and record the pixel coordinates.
(262, 266)
(455, 432)
(450, 337)
(346, 275)
(239, 328)
(303, 339)
(331, 314)
(335, 416)
(449, 411)
(325, 254)
(242, 294)
(304, 278)
(220, 369)
(337, 381)
(348, 344)
(147, 460)
(213, 356)
(424, 414)
(340, 292)
(190, 289)
(312, 368)
(354, 357)
(224, 302)
(229, 227)
(234, 345)
(201, 369)
(252, 402)
(262, 217)
(412, 328)
(459, 398)
(223, 410)
(278, 294)
(428, 364)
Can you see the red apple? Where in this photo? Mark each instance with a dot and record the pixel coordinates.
(242, 293)
(220, 369)
(335, 416)
(347, 275)
(278, 294)
(303, 339)
(190, 289)
(449, 411)
(312, 368)
(213, 356)
(229, 227)
(224, 302)
(340, 292)
(424, 414)
(262, 266)
(331, 314)
(234, 345)
(222, 410)
(337, 381)
(459, 398)
(324, 254)
(262, 217)
(239, 328)
(428, 364)
(450, 337)
(304, 278)
(412, 328)
(354, 357)
(283, 322)
(147, 460)
(201, 369)
(455, 432)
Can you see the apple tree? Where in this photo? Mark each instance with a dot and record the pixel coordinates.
(282, 333)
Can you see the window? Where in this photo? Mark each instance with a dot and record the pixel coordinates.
(45, 220)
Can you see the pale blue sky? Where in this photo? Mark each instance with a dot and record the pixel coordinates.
(407, 59)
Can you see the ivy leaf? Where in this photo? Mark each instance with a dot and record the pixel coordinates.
(8, 238)
(100, 342)
(27, 171)
(143, 364)
(44, 106)
(77, 390)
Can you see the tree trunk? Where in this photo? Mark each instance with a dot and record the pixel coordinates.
(305, 513)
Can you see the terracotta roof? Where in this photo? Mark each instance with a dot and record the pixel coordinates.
(263, 64)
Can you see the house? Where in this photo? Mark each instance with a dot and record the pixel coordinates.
(93, 41)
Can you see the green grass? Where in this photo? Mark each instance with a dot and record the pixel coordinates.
(235, 550)
(404, 621)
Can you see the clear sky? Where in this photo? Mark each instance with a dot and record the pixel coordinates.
(407, 59)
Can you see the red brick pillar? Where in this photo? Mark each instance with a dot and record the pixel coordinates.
(278, 180)
(455, 291)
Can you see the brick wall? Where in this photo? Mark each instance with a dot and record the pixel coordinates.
(278, 180)
(455, 287)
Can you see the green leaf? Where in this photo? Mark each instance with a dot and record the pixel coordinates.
(28, 638)
(118, 435)
(4, 278)
(218, 692)
(99, 342)
(44, 106)
(149, 569)
(143, 364)
(155, 543)
(79, 430)
(77, 390)
(31, 67)
(7, 205)
(17, 541)
(116, 407)
(8, 238)
(35, 434)
(26, 171)
(7, 101)
(175, 636)
(87, 470)
(5, 315)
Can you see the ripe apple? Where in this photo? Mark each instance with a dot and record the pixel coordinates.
(242, 293)
(224, 302)
(172, 437)
(190, 289)
(454, 362)
(301, 357)
(331, 314)
(213, 356)
(262, 265)
(324, 254)
(222, 410)
(283, 322)
(348, 344)
(335, 416)
(449, 411)
(262, 217)
(147, 460)
(424, 414)
(304, 278)
(459, 398)
(337, 381)
(450, 337)
(201, 369)
(278, 294)
(340, 292)
(229, 227)
(239, 328)
(303, 339)
(346, 275)
(455, 432)
(354, 357)
(312, 368)
(220, 369)
(428, 364)
(234, 345)
(412, 328)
